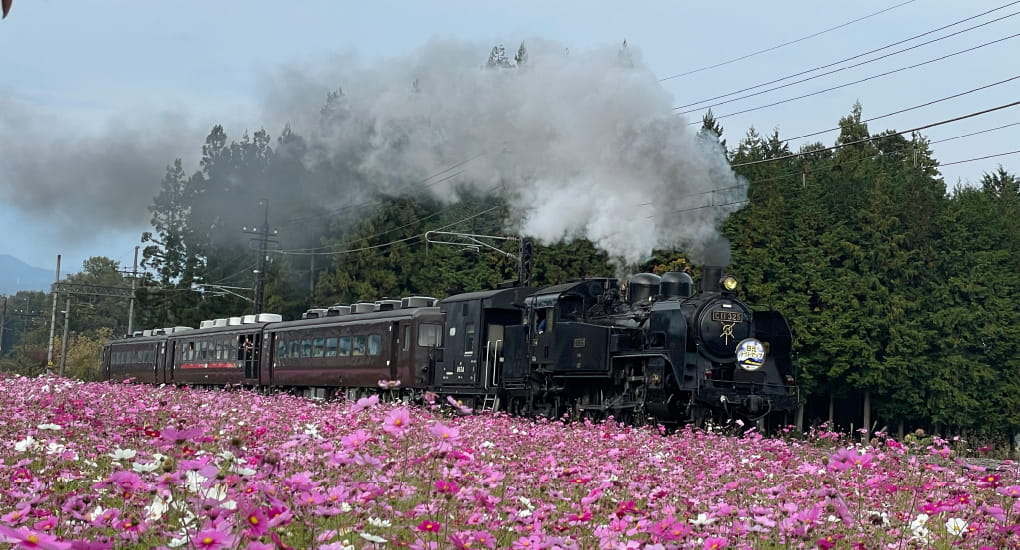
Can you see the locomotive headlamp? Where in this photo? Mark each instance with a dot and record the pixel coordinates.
(729, 283)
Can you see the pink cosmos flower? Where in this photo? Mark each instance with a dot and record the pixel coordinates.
(355, 439)
(211, 539)
(255, 521)
(172, 436)
(28, 538)
(715, 543)
(397, 421)
(447, 436)
(365, 403)
(447, 487)
(429, 526)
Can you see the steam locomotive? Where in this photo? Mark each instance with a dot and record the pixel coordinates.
(652, 348)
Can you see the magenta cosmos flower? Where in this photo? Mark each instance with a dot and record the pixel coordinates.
(28, 538)
(211, 539)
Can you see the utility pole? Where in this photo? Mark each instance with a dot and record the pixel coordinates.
(263, 259)
(525, 262)
(131, 306)
(53, 318)
(3, 321)
(63, 343)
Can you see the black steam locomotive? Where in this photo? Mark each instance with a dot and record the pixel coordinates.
(654, 349)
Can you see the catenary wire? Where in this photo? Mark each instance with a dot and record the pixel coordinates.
(788, 43)
(827, 73)
(872, 77)
(932, 102)
(953, 24)
(873, 138)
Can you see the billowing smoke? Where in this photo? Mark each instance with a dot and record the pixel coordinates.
(86, 181)
(586, 143)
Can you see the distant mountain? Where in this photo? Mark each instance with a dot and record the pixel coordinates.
(16, 275)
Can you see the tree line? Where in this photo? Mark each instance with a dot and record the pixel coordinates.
(901, 292)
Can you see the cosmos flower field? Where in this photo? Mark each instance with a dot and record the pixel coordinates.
(94, 465)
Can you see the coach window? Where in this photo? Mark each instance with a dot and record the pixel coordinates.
(318, 347)
(469, 339)
(374, 344)
(405, 340)
(359, 346)
(281, 349)
(331, 347)
(306, 347)
(430, 335)
(345, 346)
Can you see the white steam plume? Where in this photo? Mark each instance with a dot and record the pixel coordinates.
(587, 142)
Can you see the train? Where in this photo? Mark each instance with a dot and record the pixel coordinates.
(650, 348)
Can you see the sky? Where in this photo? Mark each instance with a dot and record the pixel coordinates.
(97, 98)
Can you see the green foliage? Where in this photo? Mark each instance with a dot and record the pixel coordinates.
(891, 285)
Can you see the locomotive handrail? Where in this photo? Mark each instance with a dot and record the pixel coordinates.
(489, 375)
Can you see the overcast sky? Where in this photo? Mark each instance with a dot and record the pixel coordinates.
(84, 84)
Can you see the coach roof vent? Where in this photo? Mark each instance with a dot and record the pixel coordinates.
(136, 334)
(337, 310)
(314, 313)
(248, 319)
(176, 330)
(363, 307)
(222, 322)
(234, 321)
(268, 318)
(205, 324)
(387, 305)
(418, 301)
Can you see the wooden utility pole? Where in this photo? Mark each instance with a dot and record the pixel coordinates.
(3, 321)
(53, 318)
(63, 343)
(131, 306)
(263, 259)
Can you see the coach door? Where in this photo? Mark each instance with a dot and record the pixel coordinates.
(249, 351)
(405, 353)
(493, 364)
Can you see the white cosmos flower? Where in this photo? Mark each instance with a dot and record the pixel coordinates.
(378, 522)
(157, 508)
(25, 444)
(54, 427)
(194, 480)
(123, 454)
(54, 448)
(372, 538)
(702, 519)
(144, 468)
(956, 526)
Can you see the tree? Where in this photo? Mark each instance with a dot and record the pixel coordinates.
(710, 127)
(522, 55)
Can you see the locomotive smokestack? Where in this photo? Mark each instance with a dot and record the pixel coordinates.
(710, 277)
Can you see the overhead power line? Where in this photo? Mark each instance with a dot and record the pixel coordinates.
(872, 77)
(873, 138)
(835, 164)
(383, 245)
(932, 102)
(827, 73)
(776, 47)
